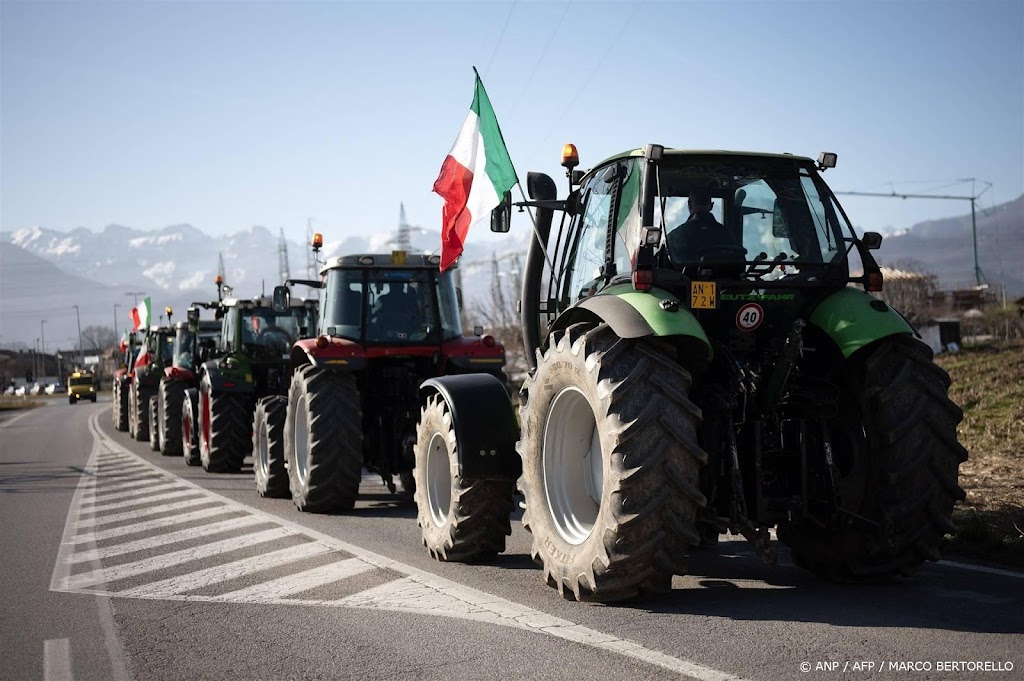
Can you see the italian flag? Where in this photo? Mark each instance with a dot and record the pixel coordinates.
(474, 177)
(143, 359)
(140, 315)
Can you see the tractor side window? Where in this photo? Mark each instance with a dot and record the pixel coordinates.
(587, 253)
(343, 302)
(627, 221)
(765, 227)
(231, 330)
(448, 301)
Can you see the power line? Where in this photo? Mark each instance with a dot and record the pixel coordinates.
(501, 36)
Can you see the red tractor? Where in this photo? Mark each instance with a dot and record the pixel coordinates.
(388, 322)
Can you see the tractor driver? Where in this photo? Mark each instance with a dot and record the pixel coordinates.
(700, 231)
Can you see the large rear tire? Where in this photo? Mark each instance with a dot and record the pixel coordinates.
(460, 519)
(154, 425)
(324, 440)
(140, 412)
(169, 401)
(610, 464)
(190, 427)
(907, 460)
(120, 404)
(224, 429)
(268, 447)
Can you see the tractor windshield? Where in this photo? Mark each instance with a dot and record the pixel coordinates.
(266, 332)
(753, 210)
(161, 345)
(184, 345)
(391, 305)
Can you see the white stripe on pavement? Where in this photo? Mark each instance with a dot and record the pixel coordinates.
(283, 587)
(164, 539)
(145, 513)
(175, 558)
(129, 490)
(150, 525)
(181, 493)
(57, 659)
(222, 573)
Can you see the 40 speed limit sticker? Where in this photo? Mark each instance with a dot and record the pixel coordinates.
(749, 317)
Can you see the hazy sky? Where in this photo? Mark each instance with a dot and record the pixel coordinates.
(230, 114)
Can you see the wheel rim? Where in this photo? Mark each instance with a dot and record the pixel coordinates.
(186, 433)
(301, 437)
(439, 479)
(204, 419)
(572, 465)
(262, 450)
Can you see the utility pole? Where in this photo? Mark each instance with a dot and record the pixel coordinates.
(116, 337)
(283, 271)
(42, 335)
(81, 356)
(978, 275)
(310, 256)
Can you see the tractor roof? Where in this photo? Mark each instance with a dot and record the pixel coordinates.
(679, 153)
(399, 260)
(204, 325)
(265, 301)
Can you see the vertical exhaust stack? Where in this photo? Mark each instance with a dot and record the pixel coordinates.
(541, 188)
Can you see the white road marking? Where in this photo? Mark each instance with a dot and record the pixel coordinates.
(181, 493)
(982, 568)
(145, 513)
(423, 592)
(164, 539)
(144, 487)
(222, 573)
(150, 525)
(57, 659)
(282, 587)
(167, 560)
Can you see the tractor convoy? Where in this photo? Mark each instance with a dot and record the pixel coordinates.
(705, 357)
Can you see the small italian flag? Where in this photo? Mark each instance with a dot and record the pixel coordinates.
(140, 314)
(474, 177)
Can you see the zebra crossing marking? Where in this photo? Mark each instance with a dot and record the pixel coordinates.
(138, 501)
(415, 591)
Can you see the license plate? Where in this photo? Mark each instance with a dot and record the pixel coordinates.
(703, 295)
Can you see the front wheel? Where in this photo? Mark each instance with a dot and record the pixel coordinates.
(323, 440)
(154, 426)
(189, 427)
(169, 402)
(902, 468)
(224, 429)
(268, 446)
(460, 519)
(610, 464)
(140, 413)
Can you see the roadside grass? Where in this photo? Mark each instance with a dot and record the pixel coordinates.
(9, 403)
(988, 384)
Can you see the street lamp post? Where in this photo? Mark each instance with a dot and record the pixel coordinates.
(135, 296)
(116, 337)
(81, 356)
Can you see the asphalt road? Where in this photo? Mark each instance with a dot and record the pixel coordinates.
(119, 563)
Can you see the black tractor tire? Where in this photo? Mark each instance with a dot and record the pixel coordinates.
(225, 422)
(71, 400)
(324, 440)
(154, 426)
(93, 398)
(169, 400)
(190, 427)
(460, 519)
(626, 532)
(130, 408)
(908, 464)
(140, 413)
(268, 447)
(120, 404)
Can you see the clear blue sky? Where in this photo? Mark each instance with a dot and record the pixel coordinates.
(230, 114)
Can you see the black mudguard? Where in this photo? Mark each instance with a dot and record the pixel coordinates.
(485, 425)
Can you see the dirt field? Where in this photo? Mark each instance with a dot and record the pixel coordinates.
(988, 384)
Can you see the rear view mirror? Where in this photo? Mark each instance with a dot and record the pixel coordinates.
(282, 299)
(871, 240)
(501, 217)
(780, 230)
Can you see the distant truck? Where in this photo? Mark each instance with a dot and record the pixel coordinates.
(81, 386)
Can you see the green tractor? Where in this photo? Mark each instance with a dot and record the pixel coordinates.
(195, 342)
(154, 354)
(707, 358)
(256, 337)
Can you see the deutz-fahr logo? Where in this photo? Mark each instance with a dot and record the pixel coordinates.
(760, 297)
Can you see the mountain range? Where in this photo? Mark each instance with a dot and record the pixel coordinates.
(44, 272)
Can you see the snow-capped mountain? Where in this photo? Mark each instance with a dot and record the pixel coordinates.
(175, 266)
